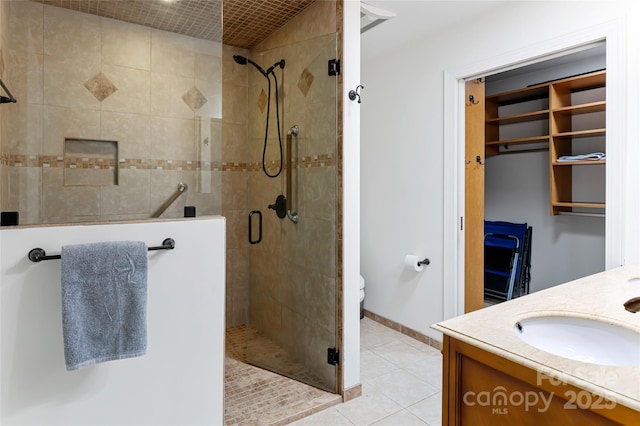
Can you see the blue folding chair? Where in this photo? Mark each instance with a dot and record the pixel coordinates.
(507, 254)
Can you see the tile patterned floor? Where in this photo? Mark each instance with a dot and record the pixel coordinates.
(266, 353)
(254, 396)
(401, 385)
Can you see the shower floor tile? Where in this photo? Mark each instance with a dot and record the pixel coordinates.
(254, 396)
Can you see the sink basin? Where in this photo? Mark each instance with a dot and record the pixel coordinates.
(581, 339)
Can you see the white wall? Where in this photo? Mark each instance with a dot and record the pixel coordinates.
(351, 201)
(402, 142)
(180, 379)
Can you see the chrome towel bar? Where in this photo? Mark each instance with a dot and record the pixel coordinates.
(38, 254)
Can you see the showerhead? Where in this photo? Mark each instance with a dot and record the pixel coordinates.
(243, 61)
(240, 59)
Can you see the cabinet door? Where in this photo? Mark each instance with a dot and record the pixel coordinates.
(483, 389)
(474, 196)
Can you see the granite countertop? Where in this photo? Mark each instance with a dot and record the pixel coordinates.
(600, 296)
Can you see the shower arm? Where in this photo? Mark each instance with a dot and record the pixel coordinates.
(293, 131)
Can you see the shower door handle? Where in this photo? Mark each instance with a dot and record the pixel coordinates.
(251, 213)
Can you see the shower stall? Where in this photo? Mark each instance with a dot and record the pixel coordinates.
(114, 113)
(292, 281)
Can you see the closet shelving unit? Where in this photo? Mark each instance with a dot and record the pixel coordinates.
(493, 120)
(558, 102)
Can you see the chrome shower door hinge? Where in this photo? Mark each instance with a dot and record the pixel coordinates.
(334, 67)
(333, 356)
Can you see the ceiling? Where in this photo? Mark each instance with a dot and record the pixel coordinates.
(418, 20)
(246, 22)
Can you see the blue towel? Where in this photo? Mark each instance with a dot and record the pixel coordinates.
(104, 302)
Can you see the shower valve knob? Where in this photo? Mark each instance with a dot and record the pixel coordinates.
(280, 206)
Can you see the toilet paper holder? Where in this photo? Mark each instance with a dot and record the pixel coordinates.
(423, 262)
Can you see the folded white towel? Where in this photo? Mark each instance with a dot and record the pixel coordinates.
(583, 157)
(104, 300)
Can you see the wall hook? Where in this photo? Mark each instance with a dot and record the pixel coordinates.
(472, 100)
(353, 94)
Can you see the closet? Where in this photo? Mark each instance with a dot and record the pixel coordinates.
(537, 118)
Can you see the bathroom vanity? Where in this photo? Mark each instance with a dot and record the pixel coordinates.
(494, 374)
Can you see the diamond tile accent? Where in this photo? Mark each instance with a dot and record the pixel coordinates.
(100, 86)
(262, 100)
(194, 99)
(305, 81)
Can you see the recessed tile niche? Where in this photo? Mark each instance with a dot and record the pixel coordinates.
(90, 162)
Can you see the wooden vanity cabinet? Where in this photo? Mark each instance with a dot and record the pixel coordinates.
(480, 388)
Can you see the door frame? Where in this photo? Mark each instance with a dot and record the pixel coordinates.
(614, 34)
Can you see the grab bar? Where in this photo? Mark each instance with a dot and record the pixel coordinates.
(293, 216)
(182, 188)
(38, 254)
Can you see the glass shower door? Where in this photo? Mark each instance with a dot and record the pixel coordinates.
(293, 278)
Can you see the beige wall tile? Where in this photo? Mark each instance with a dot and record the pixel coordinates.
(207, 47)
(89, 177)
(126, 45)
(210, 203)
(24, 193)
(208, 67)
(234, 190)
(293, 327)
(134, 88)
(166, 95)
(173, 138)
(131, 131)
(317, 192)
(25, 75)
(65, 78)
(24, 134)
(237, 228)
(321, 131)
(70, 34)
(60, 123)
(212, 90)
(216, 140)
(130, 196)
(234, 143)
(25, 26)
(60, 202)
(172, 54)
(234, 104)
